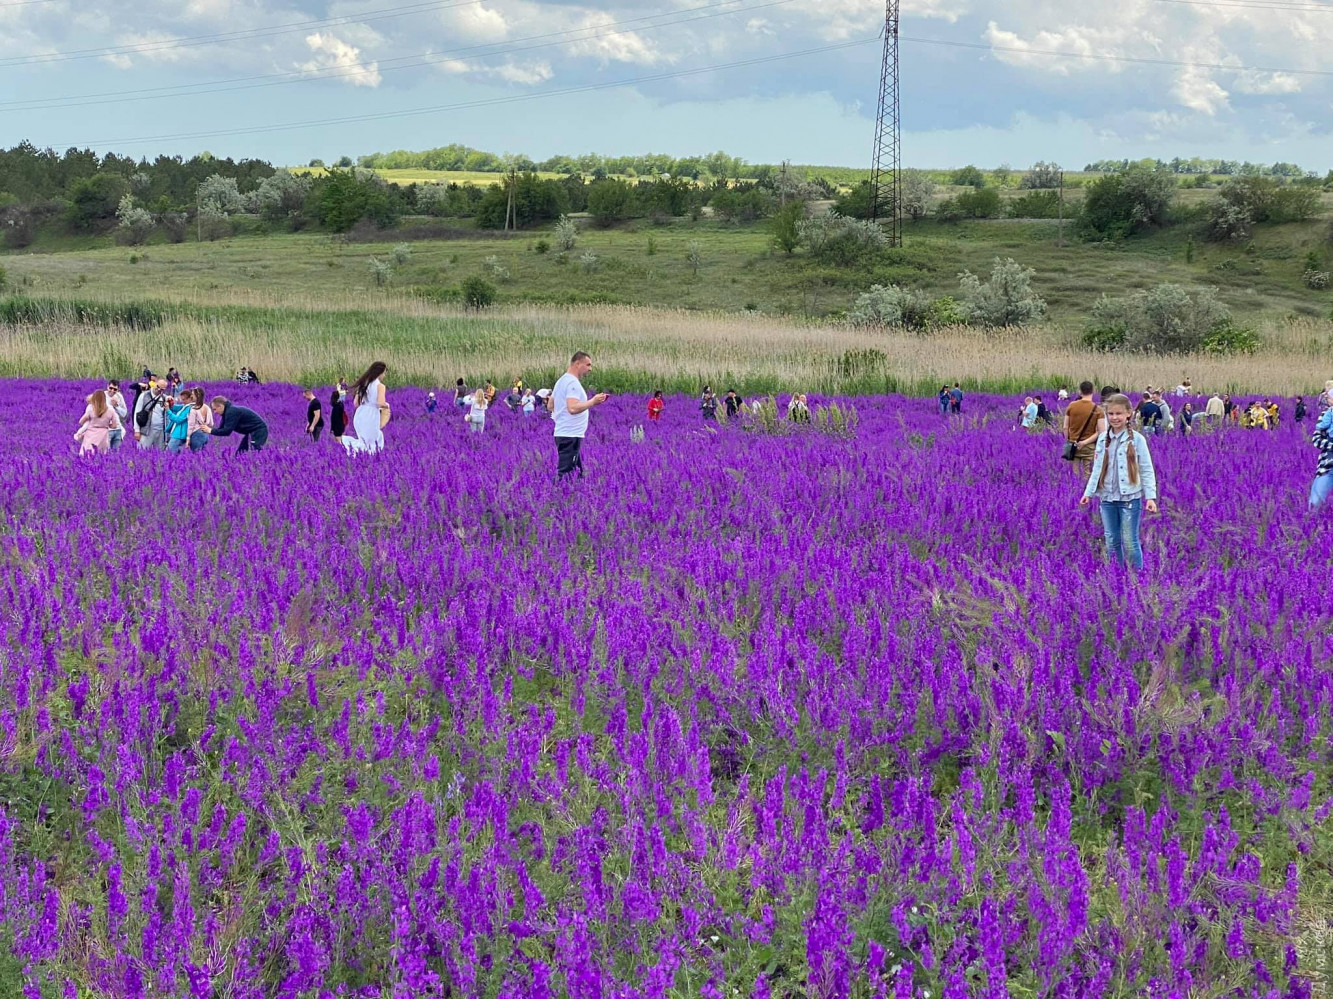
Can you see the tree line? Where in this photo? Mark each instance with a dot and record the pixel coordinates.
(458, 157)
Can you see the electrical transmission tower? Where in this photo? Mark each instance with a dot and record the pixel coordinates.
(886, 170)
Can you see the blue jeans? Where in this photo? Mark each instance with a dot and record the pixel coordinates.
(176, 445)
(1120, 521)
(198, 440)
(1320, 490)
(116, 437)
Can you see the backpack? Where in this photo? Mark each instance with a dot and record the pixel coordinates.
(145, 415)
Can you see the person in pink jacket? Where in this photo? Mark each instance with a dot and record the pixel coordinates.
(96, 424)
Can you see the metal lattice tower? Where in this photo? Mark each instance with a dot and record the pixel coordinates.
(886, 169)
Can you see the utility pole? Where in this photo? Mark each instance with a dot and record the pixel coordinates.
(886, 180)
(1060, 238)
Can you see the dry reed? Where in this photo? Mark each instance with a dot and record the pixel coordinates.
(644, 346)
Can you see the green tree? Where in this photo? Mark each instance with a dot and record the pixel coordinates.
(344, 199)
(478, 293)
(1007, 299)
(1166, 319)
(609, 201)
(854, 204)
(95, 200)
(786, 226)
(968, 176)
(1121, 204)
(535, 200)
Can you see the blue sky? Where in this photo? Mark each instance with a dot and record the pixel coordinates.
(239, 77)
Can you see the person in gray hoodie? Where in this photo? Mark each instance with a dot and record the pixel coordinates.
(150, 417)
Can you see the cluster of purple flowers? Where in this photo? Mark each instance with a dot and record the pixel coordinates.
(735, 715)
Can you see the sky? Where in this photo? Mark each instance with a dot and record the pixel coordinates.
(982, 82)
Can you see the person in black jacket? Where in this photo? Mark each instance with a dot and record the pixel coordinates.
(232, 419)
(338, 415)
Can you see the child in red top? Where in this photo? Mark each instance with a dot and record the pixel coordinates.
(656, 405)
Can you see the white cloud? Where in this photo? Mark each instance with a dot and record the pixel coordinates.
(476, 24)
(949, 10)
(1083, 44)
(1254, 82)
(758, 26)
(839, 20)
(145, 47)
(529, 75)
(615, 45)
(332, 53)
(1196, 89)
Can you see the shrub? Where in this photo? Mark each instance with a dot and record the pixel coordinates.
(136, 224)
(1316, 280)
(1165, 320)
(984, 203)
(95, 200)
(381, 270)
(855, 204)
(839, 419)
(1295, 203)
(694, 256)
(650, 247)
(1229, 338)
(282, 195)
(1121, 204)
(609, 201)
(1038, 205)
(890, 305)
(968, 176)
(566, 233)
(495, 268)
(1007, 299)
(1042, 176)
(945, 311)
(588, 263)
(786, 226)
(843, 241)
(743, 206)
(19, 225)
(175, 225)
(4, 279)
(221, 192)
(918, 191)
(213, 222)
(402, 252)
(478, 293)
(1227, 221)
(541, 247)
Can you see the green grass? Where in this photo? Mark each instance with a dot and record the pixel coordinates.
(644, 264)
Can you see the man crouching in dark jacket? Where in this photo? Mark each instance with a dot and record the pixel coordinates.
(232, 419)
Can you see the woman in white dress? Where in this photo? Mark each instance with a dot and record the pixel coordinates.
(372, 409)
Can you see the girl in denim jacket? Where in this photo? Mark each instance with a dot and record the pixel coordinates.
(1124, 480)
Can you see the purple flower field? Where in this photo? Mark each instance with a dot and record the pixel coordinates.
(736, 715)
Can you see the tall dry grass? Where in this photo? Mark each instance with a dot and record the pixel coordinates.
(638, 348)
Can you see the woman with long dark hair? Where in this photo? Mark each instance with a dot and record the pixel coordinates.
(372, 407)
(337, 415)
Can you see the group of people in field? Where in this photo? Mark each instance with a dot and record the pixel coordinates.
(162, 416)
(1108, 442)
(1154, 415)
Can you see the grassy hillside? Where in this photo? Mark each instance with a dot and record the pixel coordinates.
(643, 264)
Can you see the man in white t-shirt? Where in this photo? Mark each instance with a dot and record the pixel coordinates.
(570, 405)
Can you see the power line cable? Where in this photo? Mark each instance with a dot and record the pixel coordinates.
(588, 33)
(247, 34)
(489, 102)
(1310, 8)
(1143, 60)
